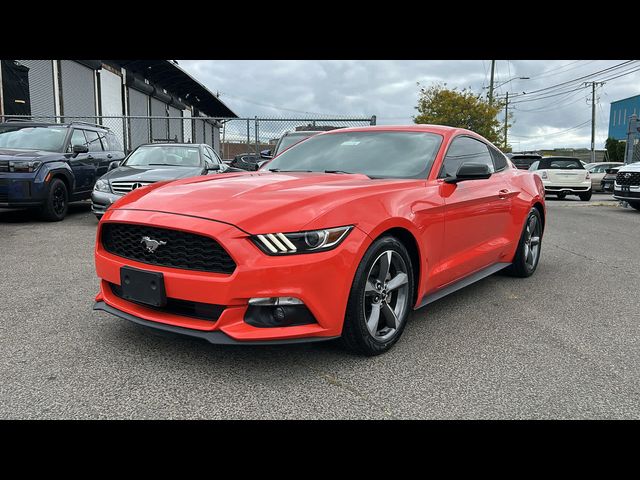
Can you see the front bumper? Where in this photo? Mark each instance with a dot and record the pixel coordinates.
(321, 280)
(100, 201)
(633, 194)
(21, 190)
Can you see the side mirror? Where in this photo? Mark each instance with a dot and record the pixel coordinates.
(214, 167)
(470, 171)
(266, 154)
(112, 165)
(80, 149)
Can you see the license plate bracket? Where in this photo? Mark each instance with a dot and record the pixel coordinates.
(143, 286)
(626, 189)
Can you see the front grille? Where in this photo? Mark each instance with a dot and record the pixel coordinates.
(4, 166)
(184, 308)
(633, 178)
(123, 188)
(181, 249)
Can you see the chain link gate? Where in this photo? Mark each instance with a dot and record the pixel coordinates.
(228, 136)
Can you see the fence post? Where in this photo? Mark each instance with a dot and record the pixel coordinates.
(256, 134)
(248, 139)
(374, 119)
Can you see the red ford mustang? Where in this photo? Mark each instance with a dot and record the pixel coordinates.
(340, 236)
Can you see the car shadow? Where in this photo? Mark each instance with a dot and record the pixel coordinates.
(31, 215)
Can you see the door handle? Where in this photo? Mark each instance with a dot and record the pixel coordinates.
(89, 157)
(109, 155)
(503, 194)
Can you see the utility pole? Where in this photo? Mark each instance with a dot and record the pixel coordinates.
(593, 117)
(506, 118)
(493, 69)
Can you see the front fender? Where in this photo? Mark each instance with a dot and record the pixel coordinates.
(57, 168)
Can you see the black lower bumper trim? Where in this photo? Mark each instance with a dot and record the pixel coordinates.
(216, 337)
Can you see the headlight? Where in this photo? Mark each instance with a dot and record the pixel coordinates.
(102, 186)
(301, 242)
(24, 166)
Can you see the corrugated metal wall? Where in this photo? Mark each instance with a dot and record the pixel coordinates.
(208, 134)
(198, 133)
(41, 86)
(216, 140)
(187, 126)
(158, 126)
(175, 126)
(78, 90)
(139, 128)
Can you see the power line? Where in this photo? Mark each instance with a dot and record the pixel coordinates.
(549, 73)
(554, 133)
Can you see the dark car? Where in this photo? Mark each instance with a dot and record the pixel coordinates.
(523, 161)
(48, 165)
(609, 179)
(152, 163)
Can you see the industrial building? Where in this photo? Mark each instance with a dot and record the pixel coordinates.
(114, 93)
(619, 115)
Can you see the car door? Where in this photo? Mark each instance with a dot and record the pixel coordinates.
(97, 154)
(82, 164)
(477, 212)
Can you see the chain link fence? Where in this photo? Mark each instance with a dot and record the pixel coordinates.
(228, 136)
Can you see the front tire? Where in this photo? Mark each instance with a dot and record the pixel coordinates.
(585, 197)
(635, 205)
(527, 256)
(57, 202)
(380, 300)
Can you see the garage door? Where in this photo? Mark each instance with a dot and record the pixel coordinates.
(158, 126)
(175, 123)
(138, 128)
(111, 101)
(40, 87)
(77, 91)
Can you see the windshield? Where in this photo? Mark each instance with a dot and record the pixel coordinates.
(161, 155)
(287, 140)
(523, 161)
(561, 164)
(22, 137)
(377, 154)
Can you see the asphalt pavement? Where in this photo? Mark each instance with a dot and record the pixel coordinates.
(564, 343)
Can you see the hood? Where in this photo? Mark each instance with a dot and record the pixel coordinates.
(632, 167)
(151, 174)
(259, 202)
(41, 155)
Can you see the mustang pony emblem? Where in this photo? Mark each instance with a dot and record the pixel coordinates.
(151, 244)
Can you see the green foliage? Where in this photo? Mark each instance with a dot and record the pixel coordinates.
(439, 105)
(615, 149)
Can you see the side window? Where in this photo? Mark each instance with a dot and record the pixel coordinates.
(103, 140)
(465, 149)
(499, 160)
(208, 160)
(534, 166)
(93, 141)
(77, 138)
(216, 157)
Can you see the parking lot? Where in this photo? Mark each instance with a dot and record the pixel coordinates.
(564, 343)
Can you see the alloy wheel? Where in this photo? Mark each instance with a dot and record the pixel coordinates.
(532, 242)
(386, 296)
(59, 200)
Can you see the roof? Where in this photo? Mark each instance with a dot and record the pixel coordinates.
(442, 129)
(29, 123)
(174, 79)
(625, 99)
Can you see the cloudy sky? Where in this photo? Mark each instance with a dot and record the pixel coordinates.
(556, 117)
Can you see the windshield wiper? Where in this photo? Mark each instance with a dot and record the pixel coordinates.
(279, 170)
(165, 165)
(346, 173)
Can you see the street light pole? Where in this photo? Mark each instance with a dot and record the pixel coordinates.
(493, 68)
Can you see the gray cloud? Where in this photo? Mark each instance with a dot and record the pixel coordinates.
(387, 88)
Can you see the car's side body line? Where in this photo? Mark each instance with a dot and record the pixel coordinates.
(464, 282)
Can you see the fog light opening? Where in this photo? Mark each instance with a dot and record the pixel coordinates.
(277, 312)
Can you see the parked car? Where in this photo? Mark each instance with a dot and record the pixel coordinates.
(246, 161)
(563, 176)
(291, 138)
(627, 185)
(47, 165)
(598, 171)
(524, 160)
(303, 250)
(609, 178)
(150, 163)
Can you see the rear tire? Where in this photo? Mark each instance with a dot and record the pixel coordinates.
(57, 202)
(377, 311)
(98, 217)
(585, 197)
(523, 266)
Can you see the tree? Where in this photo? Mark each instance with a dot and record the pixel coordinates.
(615, 149)
(460, 108)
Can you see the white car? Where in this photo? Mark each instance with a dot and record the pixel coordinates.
(598, 171)
(627, 185)
(563, 176)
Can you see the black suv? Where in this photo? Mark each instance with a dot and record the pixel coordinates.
(48, 165)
